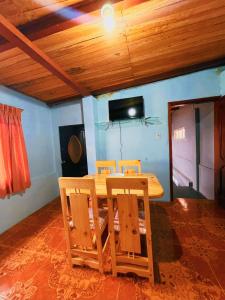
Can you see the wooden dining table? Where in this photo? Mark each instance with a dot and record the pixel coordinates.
(155, 189)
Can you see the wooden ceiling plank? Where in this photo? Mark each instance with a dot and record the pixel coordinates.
(23, 11)
(161, 39)
(63, 99)
(192, 57)
(63, 19)
(162, 76)
(11, 33)
(173, 63)
(77, 53)
(94, 63)
(176, 9)
(116, 74)
(24, 65)
(41, 84)
(55, 93)
(165, 25)
(16, 79)
(13, 76)
(179, 36)
(187, 45)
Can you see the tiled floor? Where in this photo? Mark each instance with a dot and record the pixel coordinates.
(189, 248)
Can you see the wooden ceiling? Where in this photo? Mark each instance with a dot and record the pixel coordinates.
(153, 40)
(23, 11)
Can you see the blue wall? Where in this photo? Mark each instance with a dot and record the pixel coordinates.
(150, 144)
(89, 113)
(62, 115)
(37, 125)
(222, 83)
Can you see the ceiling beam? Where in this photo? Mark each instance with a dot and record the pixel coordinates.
(18, 39)
(62, 19)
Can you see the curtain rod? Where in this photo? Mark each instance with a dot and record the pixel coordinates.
(12, 106)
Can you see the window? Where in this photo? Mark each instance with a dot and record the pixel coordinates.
(179, 134)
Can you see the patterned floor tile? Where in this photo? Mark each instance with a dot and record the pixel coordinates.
(189, 252)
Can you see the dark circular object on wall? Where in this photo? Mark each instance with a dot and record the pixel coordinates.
(75, 149)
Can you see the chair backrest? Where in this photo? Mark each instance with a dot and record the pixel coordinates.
(105, 166)
(124, 189)
(124, 195)
(129, 166)
(76, 209)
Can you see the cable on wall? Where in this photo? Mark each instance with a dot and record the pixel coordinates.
(121, 144)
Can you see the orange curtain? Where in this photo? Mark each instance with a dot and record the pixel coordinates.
(14, 168)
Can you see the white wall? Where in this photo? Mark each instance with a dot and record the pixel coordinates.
(37, 126)
(206, 167)
(62, 115)
(184, 150)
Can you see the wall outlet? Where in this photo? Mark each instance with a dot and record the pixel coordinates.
(158, 135)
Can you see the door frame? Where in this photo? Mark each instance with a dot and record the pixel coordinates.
(171, 104)
(218, 155)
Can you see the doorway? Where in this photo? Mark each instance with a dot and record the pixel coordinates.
(193, 143)
(73, 150)
(220, 151)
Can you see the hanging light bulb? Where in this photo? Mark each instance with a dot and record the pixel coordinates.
(107, 13)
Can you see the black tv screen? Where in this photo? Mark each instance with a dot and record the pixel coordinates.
(129, 108)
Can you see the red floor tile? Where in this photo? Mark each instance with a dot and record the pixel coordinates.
(188, 243)
(217, 262)
(213, 239)
(127, 290)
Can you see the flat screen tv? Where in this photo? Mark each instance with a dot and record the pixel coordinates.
(129, 108)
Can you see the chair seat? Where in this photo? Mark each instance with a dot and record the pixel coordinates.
(106, 171)
(102, 218)
(130, 172)
(142, 228)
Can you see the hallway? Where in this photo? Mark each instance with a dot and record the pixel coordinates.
(186, 192)
(193, 160)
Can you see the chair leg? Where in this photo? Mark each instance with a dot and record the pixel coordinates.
(101, 270)
(114, 273)
(70, 263)
(69, 258)
(151, 278)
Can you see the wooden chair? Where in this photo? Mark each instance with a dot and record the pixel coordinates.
(84, 225)
(106, 166)
(127, 229)
(129, 166)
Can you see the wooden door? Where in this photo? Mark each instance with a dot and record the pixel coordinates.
(220, 151)
(73, 150)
